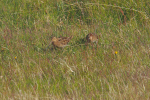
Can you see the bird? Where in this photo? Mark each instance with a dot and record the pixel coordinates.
(91, 38)
(60, 42)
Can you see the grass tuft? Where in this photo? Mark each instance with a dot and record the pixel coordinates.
(117, 68)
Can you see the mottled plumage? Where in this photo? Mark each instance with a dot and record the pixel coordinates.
(61, 42)
(92, 37)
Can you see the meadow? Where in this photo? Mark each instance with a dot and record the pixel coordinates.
(117, 69)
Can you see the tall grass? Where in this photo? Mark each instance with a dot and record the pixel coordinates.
(117, 69)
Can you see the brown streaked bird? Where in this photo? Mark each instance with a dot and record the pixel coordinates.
(92, 37)
(61, 42)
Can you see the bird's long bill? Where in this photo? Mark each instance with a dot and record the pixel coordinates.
(65, 45)
(49, 44)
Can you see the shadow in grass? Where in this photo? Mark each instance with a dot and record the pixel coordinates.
(81, 41)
